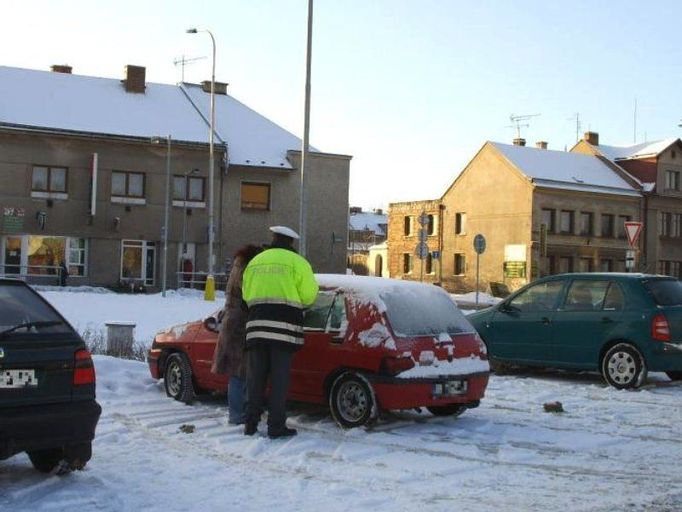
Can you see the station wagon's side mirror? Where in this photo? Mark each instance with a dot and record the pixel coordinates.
(211, 324)
(505, 307)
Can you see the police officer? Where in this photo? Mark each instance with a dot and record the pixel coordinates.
(277, 285)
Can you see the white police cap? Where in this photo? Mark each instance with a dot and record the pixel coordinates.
(285, 231)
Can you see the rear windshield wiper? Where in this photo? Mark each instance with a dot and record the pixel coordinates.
(28, 325)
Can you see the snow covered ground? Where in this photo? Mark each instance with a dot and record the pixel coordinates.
(610, 450)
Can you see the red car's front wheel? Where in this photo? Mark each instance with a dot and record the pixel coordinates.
(177, 378)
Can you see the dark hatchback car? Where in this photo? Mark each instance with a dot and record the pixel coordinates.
(622, 325)
(47, 383)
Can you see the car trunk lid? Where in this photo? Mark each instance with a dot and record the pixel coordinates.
(37, 369)
(667, 295)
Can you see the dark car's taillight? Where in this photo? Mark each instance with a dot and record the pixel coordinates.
(395, 365)
(660, 329)
(83, 369)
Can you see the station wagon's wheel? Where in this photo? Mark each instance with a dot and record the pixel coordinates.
(352, 401)
(623, 367)
(46, 460)
(177, 378)
(674, 375)
(447, 410)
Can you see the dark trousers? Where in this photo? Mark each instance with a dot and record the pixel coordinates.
(269, 360)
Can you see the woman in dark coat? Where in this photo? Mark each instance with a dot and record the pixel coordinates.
(228, 357)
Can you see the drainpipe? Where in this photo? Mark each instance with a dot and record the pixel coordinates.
(441, 221)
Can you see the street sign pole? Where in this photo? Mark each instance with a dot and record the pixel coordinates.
(478, 257)
(479, 247)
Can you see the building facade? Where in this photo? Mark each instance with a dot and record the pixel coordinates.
(657, 166)
(411, 224)
(89, 167)
(540, 212)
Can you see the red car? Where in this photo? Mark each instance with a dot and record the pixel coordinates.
(371, 344)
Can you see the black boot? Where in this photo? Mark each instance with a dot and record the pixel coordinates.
(281, 432)
(250, 428)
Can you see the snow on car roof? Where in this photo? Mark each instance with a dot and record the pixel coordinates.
(369, 289)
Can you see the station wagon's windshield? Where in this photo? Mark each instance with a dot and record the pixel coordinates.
(666, 292)
(423, 312)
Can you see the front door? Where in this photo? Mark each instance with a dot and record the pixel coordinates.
(324, 327)
(13, 255)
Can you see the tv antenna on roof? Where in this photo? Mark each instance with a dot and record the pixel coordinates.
(576, 117)
(517, 122)
(183, 61)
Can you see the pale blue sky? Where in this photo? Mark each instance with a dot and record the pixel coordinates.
(410, 88)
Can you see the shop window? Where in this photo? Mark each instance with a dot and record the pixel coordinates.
(138, 260)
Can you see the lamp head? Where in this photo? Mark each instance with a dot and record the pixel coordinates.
(191, 31)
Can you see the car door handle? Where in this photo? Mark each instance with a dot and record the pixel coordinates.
(606, 320)
(545, 320)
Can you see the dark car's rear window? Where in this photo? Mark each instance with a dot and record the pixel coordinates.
(19, 304)
(666, 292)
(423, 312)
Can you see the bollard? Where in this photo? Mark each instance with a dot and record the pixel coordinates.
(209, 291)
(120, 338)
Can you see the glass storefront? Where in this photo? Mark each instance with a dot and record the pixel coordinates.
(35, 255)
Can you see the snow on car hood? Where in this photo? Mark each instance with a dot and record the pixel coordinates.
(444, 368)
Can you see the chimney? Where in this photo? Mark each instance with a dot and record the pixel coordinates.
(220, 87)
(61, 68)
(355, 209)
(519, 141)
(591, 138)
(134, 80)
(541, 144)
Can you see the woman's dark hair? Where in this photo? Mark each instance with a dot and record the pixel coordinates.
(247, 252)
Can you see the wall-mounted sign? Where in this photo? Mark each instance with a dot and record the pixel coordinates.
(13, 219)
(514, 269)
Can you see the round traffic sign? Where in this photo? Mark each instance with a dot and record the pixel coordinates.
(479, 244)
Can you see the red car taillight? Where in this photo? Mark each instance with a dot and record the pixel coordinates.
(395, 365)
(660, 329)
(83, 369)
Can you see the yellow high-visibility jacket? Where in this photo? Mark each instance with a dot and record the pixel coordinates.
(277, 285)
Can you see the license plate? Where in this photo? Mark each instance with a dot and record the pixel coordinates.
(18, 379)
(449, 388)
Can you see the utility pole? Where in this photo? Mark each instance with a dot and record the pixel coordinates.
(303, 245)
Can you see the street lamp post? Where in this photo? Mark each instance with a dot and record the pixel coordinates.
(210, 285)
(303, 204)
(166, 214)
